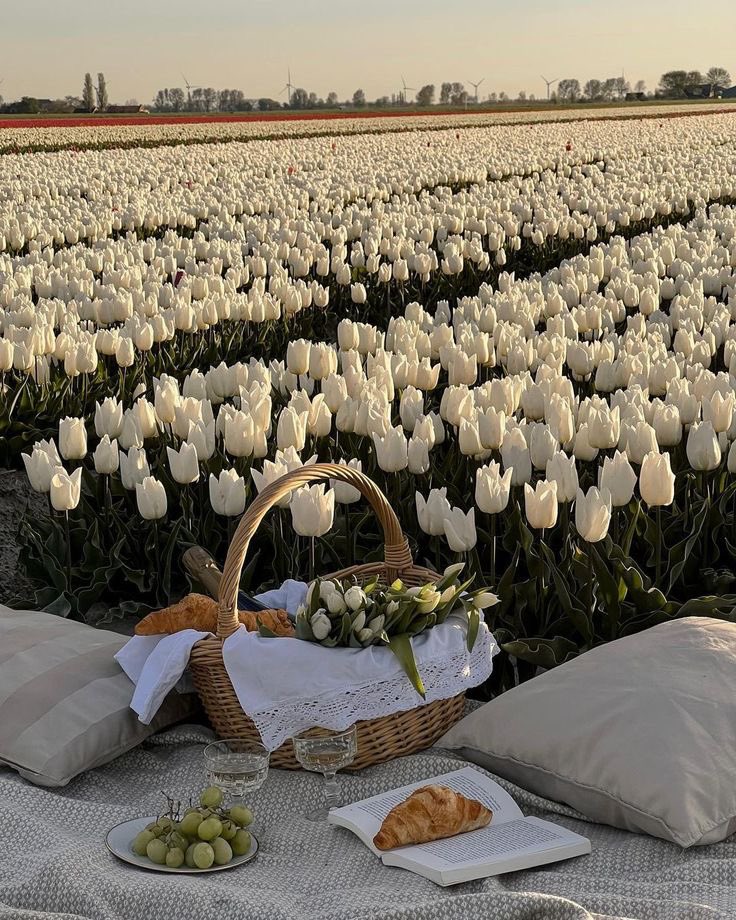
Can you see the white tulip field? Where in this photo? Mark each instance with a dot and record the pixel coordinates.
(525, 333)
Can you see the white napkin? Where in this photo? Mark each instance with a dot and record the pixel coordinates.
(157, 664)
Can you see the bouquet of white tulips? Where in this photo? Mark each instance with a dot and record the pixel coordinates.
(347, 614)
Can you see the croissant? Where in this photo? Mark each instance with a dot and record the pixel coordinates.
(430, 813)
(197, 611)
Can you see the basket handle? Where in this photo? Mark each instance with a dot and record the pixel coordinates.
(397, 554)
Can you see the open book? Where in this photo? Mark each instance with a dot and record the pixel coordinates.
(509, 843)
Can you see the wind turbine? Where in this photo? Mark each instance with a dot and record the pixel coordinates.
(289, 87)
(405, 90)
(550, 84)
(475, 86)
(189, 90)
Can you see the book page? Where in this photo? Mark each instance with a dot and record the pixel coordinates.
(365, 818)
(489, 844)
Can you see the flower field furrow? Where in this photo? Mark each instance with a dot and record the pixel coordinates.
(526, 336)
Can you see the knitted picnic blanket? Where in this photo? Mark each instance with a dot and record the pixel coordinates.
(54, 863)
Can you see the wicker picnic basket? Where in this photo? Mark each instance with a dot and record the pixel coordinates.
(378, 739)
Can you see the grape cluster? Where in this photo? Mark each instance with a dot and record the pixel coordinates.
(204, 835)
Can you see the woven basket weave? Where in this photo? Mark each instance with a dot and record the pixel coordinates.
(378, 739)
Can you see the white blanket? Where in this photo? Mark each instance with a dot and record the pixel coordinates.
(288, 685)
(54, 864)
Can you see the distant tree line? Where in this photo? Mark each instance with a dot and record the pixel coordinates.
(675, 84)
(209, 99)
(679, 83)
(94, 98)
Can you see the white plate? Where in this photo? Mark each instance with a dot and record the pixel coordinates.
(120, 838)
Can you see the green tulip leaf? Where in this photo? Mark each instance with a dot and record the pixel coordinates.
(402, 648)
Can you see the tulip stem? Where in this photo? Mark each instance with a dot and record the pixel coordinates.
(590, 583)
(157, 551)
(493, 550)
(541, 567)
(658, 557)
(311, 559)
(348, 535)
(68, 552)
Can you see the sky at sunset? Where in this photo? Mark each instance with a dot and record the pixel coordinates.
(143, 45)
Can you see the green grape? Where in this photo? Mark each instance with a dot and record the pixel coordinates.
(155, 828)
(240, 844)
(241, 815)
(209, 829)
(156, 851)
(211, 797)
(177, 840)
(141, 841)
(203, 855)
(222, 850)
(190, 823)
(229, 829)
(175, 857)
(166, 824)
(189, 856)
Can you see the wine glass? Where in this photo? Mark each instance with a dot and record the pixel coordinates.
(236, 767)
(326, 753)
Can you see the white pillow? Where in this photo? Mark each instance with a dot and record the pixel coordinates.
(64, 700)
(639, 733)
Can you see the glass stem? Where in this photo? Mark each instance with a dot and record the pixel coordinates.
(332, 790)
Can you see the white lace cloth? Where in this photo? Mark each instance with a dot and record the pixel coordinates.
(287, 685)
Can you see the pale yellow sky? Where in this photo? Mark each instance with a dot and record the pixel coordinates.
(143, 45)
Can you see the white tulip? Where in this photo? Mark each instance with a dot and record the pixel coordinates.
(604, 427)
(592, 514)
(109, 418)
(702, 448)
(582, 448)
(106, 456)
(321, 624)
(227, 493)
(151, 499)
(312, 510)
(618, 478)
(183, 463)
(515, 456)
(432, 512)
(540, 504)
(562, 470)
(72, 438)
(202, 436)
(418, 461)
(355, 598)
(239, 434)
(542, 445)
(345, 494)
(65, 489)
(392, 450)
(131, 435)
(492, 489)
(297, 356)
(40, 467)
(133, 467)
(718, 410)
(459, 529)
(291, 430)
(666, 424)
(656, 480)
